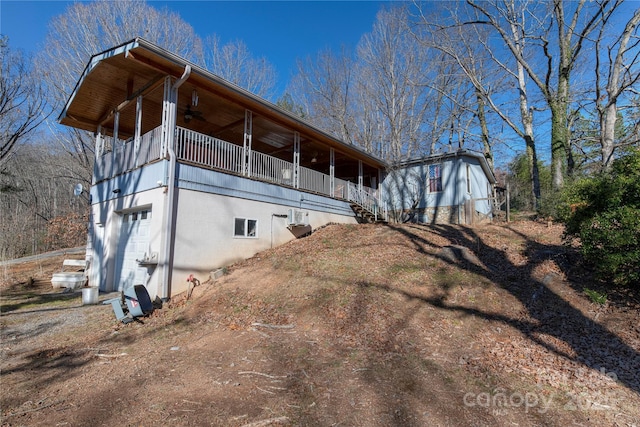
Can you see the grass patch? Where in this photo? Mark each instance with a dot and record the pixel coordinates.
(30, 301)
(448, 278)
(407, 268)
(595, 296)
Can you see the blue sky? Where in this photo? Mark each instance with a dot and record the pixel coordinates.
(281, 31)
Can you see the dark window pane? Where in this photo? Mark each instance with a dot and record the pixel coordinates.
(252, 226)
(239, 227)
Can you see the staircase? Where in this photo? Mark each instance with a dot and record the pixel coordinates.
(365, 215)
(365, 204)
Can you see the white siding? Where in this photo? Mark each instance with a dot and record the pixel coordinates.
(402, 186)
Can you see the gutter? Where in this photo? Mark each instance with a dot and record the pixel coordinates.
(171, 185)
(252, 98)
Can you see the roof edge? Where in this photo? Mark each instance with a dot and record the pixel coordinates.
(93, 61)
(241, 92)
(461, 152)
(254, 98)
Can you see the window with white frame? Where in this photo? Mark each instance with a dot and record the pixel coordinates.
(435, 178)
(136, 216)
(244, 227)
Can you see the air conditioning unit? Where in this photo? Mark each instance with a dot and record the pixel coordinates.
(297, 218)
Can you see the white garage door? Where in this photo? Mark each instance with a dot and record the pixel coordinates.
(133, 244)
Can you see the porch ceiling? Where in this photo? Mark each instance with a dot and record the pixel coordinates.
(114, 79)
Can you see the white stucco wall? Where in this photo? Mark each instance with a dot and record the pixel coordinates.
(204, 232)
(203, 235)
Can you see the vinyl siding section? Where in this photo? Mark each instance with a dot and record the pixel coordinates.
(408, 186)
(213, 182)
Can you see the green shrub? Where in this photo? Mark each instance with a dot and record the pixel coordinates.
(611, 242)
(604, 213)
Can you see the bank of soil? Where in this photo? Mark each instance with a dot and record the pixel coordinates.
(367, 325)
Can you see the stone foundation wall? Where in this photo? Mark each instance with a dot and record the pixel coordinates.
(441, 215)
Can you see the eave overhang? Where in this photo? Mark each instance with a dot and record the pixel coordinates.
(443, 156)
(114, 78)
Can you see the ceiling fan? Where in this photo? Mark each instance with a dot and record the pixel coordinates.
(192, 114)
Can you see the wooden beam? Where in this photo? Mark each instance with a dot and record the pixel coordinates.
(149, 87)
(83, 120)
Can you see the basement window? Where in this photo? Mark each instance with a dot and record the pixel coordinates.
(244, 227)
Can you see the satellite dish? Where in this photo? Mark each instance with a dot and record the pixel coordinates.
(77, 190)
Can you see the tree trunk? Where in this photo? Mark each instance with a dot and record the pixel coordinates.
(484, 129)
(526, 115)
(608, 130)
(534, 174)
(615, 87)
(558, 142)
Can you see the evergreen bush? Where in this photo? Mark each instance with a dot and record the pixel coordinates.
(604, 213)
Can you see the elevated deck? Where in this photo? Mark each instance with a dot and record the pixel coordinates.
(206, 152)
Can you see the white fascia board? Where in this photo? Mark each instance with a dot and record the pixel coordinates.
(95, 60)
(438, 157)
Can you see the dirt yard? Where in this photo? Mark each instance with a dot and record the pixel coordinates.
(368, 325)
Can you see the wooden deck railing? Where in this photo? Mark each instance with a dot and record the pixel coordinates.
(213, 153)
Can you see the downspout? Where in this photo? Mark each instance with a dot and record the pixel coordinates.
(171, 182)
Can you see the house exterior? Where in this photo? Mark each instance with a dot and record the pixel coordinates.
(452, 188)
(193, 173)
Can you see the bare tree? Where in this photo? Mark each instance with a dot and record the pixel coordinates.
(621, 74)
(448, 120)
(326, 87)
(557, 56)
(469, 48)
(234, 62)
(37, 187)
(394, 68)
(458, 44)
(22, 100)
(376, 98)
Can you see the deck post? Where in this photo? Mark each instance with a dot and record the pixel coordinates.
(246, 152)
(332, 172)
(99, 142)
(138, 130)
(360, 173)
(114, 144)
(98, 164)
(296, 160)
(166, 117)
